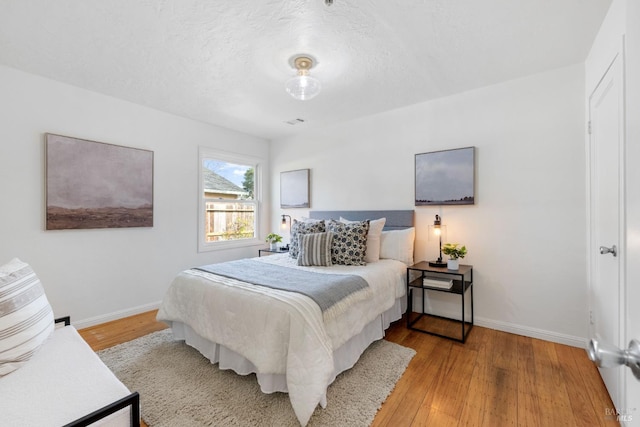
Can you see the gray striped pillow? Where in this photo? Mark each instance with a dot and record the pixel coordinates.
(315, 249)
(26, 318)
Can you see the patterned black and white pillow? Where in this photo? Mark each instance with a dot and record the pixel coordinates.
(349, 242)
(315, 249)
(303, 227)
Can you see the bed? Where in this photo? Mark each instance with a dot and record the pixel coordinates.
(294, 343)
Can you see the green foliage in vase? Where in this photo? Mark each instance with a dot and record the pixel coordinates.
(274, 238)
(453, 251)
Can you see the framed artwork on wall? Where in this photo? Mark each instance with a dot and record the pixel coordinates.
(97, 185)
(445, 177)
(294, 189)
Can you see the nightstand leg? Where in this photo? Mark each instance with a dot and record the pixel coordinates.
(409, 301)
(424, 301)
(472, 304)
(463, 317)
(472, 297)
(409, 307)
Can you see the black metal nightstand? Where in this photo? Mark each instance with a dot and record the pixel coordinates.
(460, 280)
(272, 251)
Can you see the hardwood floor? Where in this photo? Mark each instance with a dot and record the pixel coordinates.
(118, 331)
(494, 379)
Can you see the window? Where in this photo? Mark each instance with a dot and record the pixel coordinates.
(229, 200)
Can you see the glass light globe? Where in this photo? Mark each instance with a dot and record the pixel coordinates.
(303, 87)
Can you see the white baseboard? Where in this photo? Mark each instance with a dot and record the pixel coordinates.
(531, 332)
(92, 321)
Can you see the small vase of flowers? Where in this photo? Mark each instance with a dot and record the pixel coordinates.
(454, 253)
(273, 239)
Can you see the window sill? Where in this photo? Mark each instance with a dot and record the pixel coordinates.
(231, 244)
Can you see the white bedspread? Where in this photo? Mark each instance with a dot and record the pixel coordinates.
(280, 332)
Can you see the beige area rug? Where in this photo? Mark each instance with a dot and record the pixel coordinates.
(180, 387)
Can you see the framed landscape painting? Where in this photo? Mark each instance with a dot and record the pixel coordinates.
(294, 189)
(96, 185)
(445, 177)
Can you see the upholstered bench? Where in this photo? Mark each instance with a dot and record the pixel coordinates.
(49, 376)
(66, 383)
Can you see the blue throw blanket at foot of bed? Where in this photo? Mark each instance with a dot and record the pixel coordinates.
(327, 290)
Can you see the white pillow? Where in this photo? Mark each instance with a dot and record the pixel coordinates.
(373, 238)
(26, 318)
(398, 244)
(307, 219)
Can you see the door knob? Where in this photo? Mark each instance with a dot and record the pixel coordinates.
(612, 250)
(610, 356)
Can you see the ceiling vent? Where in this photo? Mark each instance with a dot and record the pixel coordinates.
(294, 122)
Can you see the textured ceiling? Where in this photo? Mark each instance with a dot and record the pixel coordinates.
(225, 62)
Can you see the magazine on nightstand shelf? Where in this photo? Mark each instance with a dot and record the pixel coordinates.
(437, 283)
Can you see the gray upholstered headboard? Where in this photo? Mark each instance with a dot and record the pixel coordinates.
(396, 219)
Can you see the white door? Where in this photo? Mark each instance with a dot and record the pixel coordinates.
(606, 113)
(632, 190)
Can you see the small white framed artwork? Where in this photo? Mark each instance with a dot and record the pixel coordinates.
(294, 189)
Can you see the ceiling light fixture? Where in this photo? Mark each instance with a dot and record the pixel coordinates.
(303, 87)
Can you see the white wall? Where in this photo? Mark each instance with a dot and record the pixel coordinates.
(97, 275)
(525, 234)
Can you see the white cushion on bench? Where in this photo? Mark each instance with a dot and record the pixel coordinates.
(63, 381)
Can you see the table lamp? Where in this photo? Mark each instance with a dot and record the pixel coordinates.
(436, 230)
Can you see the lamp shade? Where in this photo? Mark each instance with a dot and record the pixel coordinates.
(303, 87)
(284, 221)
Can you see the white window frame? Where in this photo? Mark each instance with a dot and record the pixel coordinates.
(205, 153)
